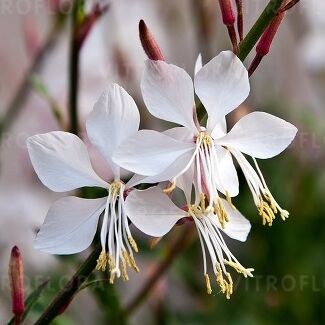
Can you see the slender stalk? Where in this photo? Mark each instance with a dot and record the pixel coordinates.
(184, 239)
(259, 27)
(62, 300)
(240, 21)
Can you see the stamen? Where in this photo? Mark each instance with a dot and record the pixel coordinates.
(229, 286)
(102, 261)
(112, 277)
(265, 212)
(196, 211)
(110, 262)
(221, 212)
(125, 276)
(239, 268)
(228, 197)
(133, 244)
(126, 257)
(202, 201)
(170, 188)
(219, 278)
(115, 189)
(208, 284)
(133, 264)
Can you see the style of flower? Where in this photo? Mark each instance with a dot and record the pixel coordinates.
(199, 155)
(62, 163)
(155, 214)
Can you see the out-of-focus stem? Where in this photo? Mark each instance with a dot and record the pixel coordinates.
(228, 19)
(65, 296)
(259, 27)
(240, 21)
(289, 5)
(19, 98)
(184, 239)
(74, 69)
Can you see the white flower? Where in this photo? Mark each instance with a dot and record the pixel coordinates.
(155, 214)
(62, 163)
(201, 156)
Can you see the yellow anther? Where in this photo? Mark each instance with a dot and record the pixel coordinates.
(266, 212)
(229, 286)
(238, 268)
(115, 189)
(133, 264)
(228, 197)
(196, 211)
(133, 244)
(110, 262)
(127, 258)
(270, 199)
(220, 280)
(206, 138)
(125, 276)
(112, 277)
(225, 286)
(221, 212)
(102, 261)
(208, 284)
(170, 188)
(202, 201)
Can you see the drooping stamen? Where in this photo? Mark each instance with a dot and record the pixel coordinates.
(208, 284)
(210, 236)
(116, 236)
(102, 261)
(221, 212)
(263, 199)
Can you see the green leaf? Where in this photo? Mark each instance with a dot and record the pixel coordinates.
(31, 300)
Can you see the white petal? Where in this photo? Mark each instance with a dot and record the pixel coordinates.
(114, 118)
(220, 129)
(168, 93)
(260, 135)
(238, 227)
(185, 182)
(70, 225)
(152, 211)
(180, 133)
(228, 178)
(222, 85)
(149, 153)
(175, 169)
(61, 161)
(198, 64)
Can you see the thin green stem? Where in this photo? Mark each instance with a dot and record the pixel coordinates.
(62, 300)
(259, 27)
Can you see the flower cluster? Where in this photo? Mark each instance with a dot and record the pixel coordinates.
(198, 160)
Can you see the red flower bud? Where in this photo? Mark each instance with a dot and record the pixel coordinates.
(228, 16)
(16, 276)
(263, 46)
(149, 44)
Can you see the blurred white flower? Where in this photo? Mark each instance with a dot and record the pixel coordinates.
(62, 163)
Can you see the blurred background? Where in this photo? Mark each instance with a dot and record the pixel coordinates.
(289, 282)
